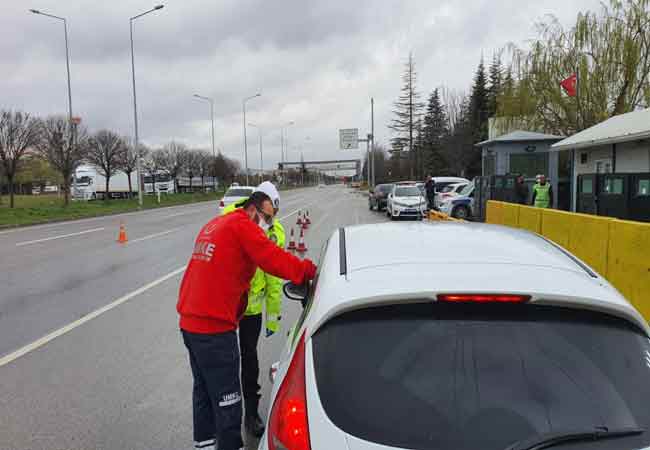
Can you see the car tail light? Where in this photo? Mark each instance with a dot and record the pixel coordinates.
(222, 204)
(288, 426)
(483, 298)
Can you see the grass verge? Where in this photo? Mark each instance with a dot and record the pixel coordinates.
(35, 209)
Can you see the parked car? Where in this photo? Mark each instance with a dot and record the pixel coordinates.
(450, 190)
(406, 200)
(460, 206)
(378, 197)
(235, 194)
(514, 343)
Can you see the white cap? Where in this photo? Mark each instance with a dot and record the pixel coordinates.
(269, 189)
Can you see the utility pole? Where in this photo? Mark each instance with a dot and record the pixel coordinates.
(372, 137)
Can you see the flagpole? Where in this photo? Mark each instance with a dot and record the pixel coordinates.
(578, 115)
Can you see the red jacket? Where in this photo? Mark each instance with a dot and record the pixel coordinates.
(227, 252)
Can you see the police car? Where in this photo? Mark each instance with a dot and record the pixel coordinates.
(459, 336)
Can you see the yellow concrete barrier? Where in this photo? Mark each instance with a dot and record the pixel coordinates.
(556, 225)
(530, 218)
(439, 216)
(510, 214)
(494, 212)
(628, 262)
(618, 250)
(588, 240)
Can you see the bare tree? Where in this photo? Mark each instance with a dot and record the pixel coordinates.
(192, 165)
(408, 109)
(64, 146)
(204, 165)
(105, 151)
(153, 163)
(129, 161)
(18, 134)
(175, 159)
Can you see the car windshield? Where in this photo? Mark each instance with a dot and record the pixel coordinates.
(467, 189)
(407, 191)
(481, 377)
(238, 192)
(449, 188)
(83, 180)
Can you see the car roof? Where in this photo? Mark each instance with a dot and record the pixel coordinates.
(450, 180)
(252, 188)
(420, 260)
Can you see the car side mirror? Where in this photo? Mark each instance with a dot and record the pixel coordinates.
(390, 195)
(296, 292)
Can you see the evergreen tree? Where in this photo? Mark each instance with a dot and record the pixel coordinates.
(496, 85)
(408, 110)
(435, 132)
(479, 105)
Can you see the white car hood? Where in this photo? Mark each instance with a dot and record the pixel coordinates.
(409, 201)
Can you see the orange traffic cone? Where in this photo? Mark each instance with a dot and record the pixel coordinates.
(292, 242)
(302, 248)
(122, 239)
(305, 225)
(299, 221)
(307, 217)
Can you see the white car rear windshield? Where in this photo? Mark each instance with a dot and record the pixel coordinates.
(408, 191)
(238, 192)
(481, 377)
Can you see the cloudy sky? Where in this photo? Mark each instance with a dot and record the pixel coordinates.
(315, 62)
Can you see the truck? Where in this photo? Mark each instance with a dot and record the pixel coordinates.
(162, 182)
(90, 184)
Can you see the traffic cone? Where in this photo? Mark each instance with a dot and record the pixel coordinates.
(122, 239)
(299, 221)
(307, 217)
(292, 242)
(302, 248)
(305, 225)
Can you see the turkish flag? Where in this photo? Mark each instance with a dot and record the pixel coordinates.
(569, 85)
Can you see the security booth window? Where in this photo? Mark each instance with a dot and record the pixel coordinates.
(643, 188)
(613, 186)
(529, 165)
(587, 186)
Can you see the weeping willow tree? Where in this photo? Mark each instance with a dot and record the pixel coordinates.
(610, 52)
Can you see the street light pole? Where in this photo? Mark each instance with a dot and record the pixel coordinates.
(67, 65)
(372, 137)
(214, 155)
(138, 168)
(259, 131)
(245, 138)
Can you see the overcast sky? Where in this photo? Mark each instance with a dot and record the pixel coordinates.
(315, 62)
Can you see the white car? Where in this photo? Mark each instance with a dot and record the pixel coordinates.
(406, 200)
(460, 206)
(235, 194)
(459, 336)
(450, 190)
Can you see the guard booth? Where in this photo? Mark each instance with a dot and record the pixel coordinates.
(588, 194)
(640, 196)
(497, 185)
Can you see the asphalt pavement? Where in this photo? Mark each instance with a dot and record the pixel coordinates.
(90, 352)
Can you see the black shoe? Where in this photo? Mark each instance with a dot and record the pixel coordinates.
(254, 425)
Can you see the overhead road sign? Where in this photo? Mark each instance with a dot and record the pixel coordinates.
(349, 138)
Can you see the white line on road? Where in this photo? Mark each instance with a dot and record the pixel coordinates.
(88, 317)
(51, 238)
(151, 236)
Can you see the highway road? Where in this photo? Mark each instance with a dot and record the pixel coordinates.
(90, 352)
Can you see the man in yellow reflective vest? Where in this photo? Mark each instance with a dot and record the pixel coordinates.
(265, 293)
(542, 194)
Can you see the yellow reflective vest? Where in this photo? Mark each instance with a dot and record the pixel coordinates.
(265, 290)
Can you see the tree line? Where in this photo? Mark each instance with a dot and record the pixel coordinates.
(53, 148)
(608, 50)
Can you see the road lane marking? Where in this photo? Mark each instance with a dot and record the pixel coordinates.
(61, 236)
(155, 235)
(88, 317)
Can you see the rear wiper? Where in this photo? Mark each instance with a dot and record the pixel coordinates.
(547, 440)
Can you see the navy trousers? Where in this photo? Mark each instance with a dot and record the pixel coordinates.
(216, 397)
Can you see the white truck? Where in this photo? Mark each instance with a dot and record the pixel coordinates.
(163, 183)
(89, 184)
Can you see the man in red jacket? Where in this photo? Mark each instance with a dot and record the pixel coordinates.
(212, 300)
